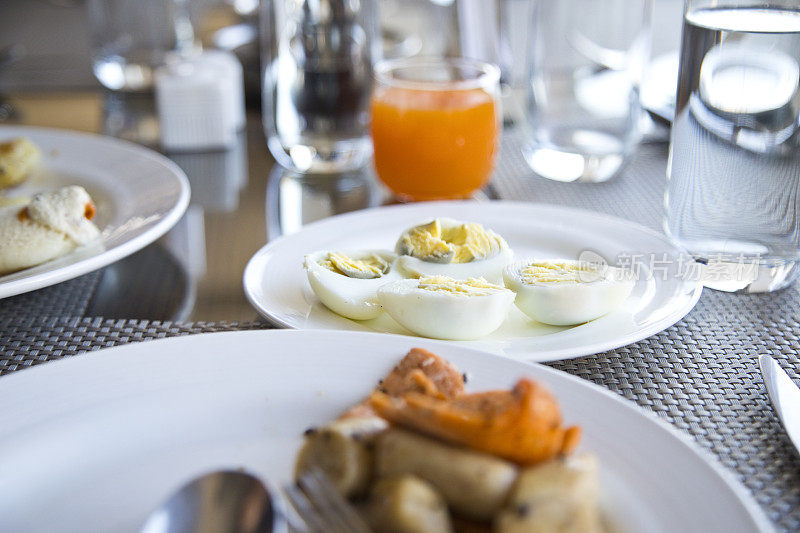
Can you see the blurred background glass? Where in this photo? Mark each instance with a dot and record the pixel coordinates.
(317, 58)
(131, 39)
(587, 62)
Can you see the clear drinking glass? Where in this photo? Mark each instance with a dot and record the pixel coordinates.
(317, 58)
(733, 193)
(587, 60)
(436, 126)
(131, 38)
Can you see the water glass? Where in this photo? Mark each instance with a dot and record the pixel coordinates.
(317, 58)
(586, 64)
(435, 126)
(131, 39)
(733, 193)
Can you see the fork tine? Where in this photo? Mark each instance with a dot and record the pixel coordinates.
(305, 509)
(333, 506)
(316, 495)
(294, 519)
(354, 519)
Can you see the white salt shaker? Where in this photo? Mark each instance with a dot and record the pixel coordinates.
(200, 101)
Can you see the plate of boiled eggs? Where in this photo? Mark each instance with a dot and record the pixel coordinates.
(530, 281)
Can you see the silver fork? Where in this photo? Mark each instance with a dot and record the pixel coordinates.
(321, 507)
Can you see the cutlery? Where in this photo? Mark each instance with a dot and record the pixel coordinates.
(221, 501)
(785, 396)
(321, 506)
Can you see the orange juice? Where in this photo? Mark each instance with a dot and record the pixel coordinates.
(434, 144)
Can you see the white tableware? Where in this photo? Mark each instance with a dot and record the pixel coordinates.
(139, 195)
(222, 500)
(785, 396)
(276, 285)
(94, 442)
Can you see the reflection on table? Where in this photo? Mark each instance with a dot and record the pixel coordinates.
(294, 199)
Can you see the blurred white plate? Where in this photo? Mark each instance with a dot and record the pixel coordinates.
(94, 442)
(139, 196)
(276, 284)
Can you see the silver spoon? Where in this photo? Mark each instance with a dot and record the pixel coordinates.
(221, 501)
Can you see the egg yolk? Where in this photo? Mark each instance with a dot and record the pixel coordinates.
(558, 273)
(366, 268)
(469, 287)
(458, 244)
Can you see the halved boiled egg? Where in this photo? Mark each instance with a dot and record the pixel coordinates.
(565, 293)
(347, 282)
(445, 308)
(447, 247)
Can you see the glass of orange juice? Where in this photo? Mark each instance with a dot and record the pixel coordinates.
(436, 126)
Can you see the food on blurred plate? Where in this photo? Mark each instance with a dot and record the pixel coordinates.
(341, 449)
(500, 423)
(407, 503)
(474, 484)
(441, 307)
(541, 495)
(17, 158)
(565, 293)
(447, 247)
(422, 456)
(347, 282)
(7, 201)
(52, 224)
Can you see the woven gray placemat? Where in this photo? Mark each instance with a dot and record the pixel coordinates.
(69, 298)
(30, 341)
(700, 375)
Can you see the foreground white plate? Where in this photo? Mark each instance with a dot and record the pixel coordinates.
(139, 196)
(276, 284)
(92, 443)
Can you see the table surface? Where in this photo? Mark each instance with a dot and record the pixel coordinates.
(701, 375)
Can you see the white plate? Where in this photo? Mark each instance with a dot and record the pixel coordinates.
(276, 284)
(96, 441)
(139, 196)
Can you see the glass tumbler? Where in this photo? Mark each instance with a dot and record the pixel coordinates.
(586, 62)
(131, 39)
(436, 126)
(733, 189)
(317, 58)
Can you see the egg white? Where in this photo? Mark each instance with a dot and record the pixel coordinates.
(567, 303)
(444, 315)
(349, 297)
(490, 269)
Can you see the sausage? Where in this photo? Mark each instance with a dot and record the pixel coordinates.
(559, 496)
(406, 504)
(342, 450)
(474, 484)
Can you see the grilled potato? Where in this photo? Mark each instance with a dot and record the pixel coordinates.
(406, 504)
(474, 484)
(558, 496)
(342, 451)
